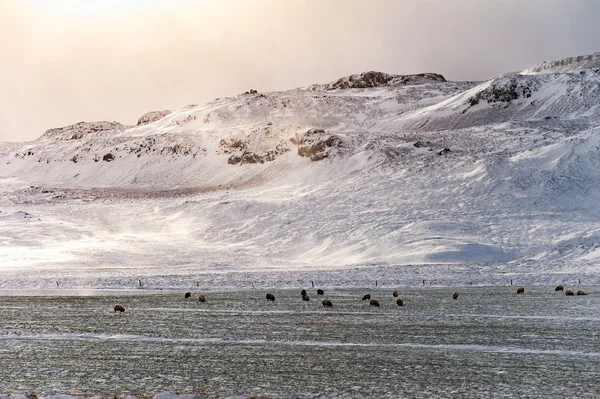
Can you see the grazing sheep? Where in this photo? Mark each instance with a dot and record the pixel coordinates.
(374, 302)
(187, 295)
(368, 296)
(455, 295)
(305, 298)
(399, 302)
(270, 297)
(320, 292)
(569, 293)
(119, 308)
(303, 293)
(520, 290)
(201, 298)
(327, 303)
(395, 294)
(559, 288)
(580, 292)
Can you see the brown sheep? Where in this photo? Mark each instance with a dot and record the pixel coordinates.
(327, 303)
(119, 308)
(320, 292)
(395, 294)
(270, 297)
(305, 298)
(520, 290)
(201, 298)
(374, 302)
(455, 295)
(399, 301)
(367, 296)
(580, 292)
(559, 288)
(187, 295)
(569, 293)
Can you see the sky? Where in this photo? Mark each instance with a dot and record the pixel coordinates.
(65, 61)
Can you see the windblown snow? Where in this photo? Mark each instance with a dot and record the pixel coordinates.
(373, 169)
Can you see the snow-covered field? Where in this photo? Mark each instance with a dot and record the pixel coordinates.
(489, 343)
(394, 179)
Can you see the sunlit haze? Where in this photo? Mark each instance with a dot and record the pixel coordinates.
(65, 61)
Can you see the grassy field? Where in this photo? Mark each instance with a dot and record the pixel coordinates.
(490, 342)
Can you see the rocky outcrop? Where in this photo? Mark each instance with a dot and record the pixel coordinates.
(79, 130)
(317, 144)
(371, 79)
(152, 116)
(504, 90)
(241, 153)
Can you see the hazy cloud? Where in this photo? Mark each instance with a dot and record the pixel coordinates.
(63, 62)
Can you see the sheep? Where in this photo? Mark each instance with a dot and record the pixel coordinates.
(201, 298)
(303, 293)
(559, 288)
(455, 295)
(569, 293)
(187, 295)
(520, 290)
(368, 296)
(374, 302)
(327, 303)
(270, 297)
(395, 294)
(399, 302)
(320, 292)
(119, 308)
(580, 292)
(305, 298)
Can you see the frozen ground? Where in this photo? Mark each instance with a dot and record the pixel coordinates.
(489, 343)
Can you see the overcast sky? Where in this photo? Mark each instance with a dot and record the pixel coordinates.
(64, 61)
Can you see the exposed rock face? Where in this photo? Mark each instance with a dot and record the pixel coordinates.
(242, 154)
(316, 144)
(108, 157)
(380, 79)
(81, 129)
(504, 90)
(570, 64)
(152, 116)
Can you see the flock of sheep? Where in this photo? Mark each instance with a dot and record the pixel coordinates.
(372, 302)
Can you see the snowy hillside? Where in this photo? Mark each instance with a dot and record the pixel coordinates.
(570, 64)
(371, 170)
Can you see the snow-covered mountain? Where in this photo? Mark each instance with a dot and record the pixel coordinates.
(372, 169)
